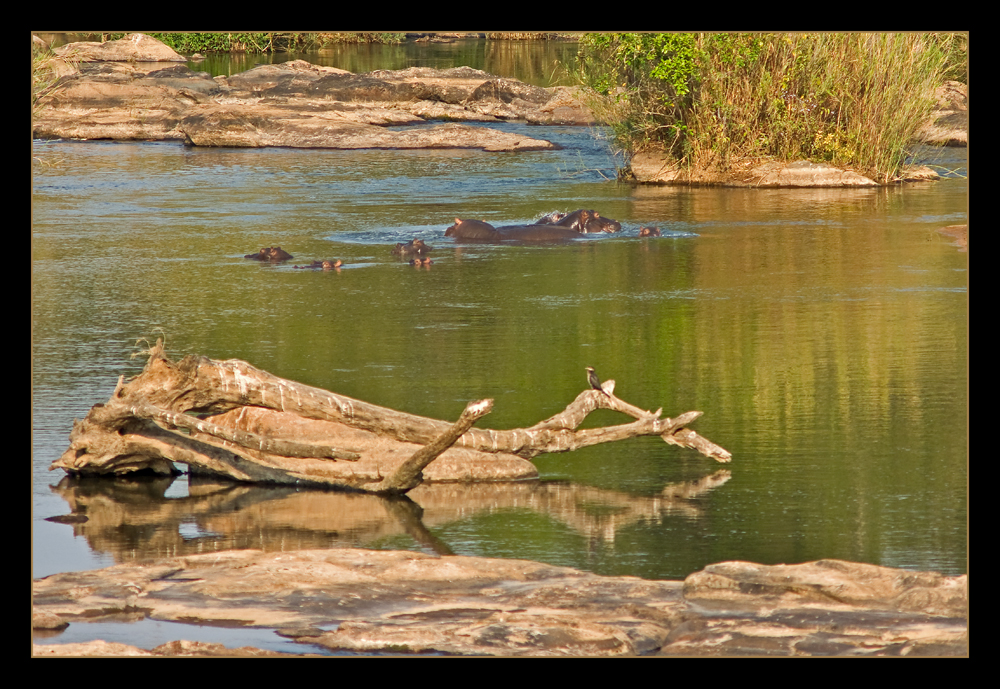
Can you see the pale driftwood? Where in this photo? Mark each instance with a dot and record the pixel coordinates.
(254, 426)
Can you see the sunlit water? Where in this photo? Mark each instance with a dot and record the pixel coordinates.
(823, 333)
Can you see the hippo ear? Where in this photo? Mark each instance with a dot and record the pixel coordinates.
(458, 221)
(596, 214)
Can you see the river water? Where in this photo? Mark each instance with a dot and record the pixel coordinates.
(823, 333)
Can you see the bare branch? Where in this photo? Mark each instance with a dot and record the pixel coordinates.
(264, 428)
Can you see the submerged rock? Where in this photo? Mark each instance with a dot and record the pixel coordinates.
(960, 235)
(410, 602)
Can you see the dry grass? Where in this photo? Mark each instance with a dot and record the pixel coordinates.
(853, 100)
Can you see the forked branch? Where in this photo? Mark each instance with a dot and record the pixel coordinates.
(228, 418)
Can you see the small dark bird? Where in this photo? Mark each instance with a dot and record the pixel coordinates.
(594, 381)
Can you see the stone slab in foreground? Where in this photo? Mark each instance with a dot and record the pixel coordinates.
(407, 602)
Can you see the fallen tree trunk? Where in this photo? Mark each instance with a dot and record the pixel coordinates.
(230, 419)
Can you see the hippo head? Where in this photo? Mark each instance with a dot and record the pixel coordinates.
(589, 221)
(593, 222)
(262, 255)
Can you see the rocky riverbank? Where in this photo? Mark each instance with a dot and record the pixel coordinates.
(401, 602)
(132, 89)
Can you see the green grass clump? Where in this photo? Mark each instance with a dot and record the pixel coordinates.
(44, 76)
(718, 101)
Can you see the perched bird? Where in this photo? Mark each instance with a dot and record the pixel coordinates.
(594, 381)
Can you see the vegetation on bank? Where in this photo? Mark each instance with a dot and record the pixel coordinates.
(263, 42)
(720, 101)
(44, 76)
(270, 42)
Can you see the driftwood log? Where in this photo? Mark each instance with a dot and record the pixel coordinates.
(227, 418)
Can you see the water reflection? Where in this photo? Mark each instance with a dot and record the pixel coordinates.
(823, 333)
(151, 517)
(542, 63)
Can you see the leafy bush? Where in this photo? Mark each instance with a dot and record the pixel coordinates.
(716, 101)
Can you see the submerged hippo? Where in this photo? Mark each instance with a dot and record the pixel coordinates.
(551, 219)
(325, 265)
(583, 221)
(472, 229)
(649, 232)
(482, 231)
(414, 246)
(537, 233)
(421, 261)
(270, 253)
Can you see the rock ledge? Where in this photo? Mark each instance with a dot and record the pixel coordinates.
(409, 602)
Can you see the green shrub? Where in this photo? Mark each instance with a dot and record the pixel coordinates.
(717, 101)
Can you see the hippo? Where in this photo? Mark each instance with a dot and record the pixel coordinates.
(550, 219)
(472, 229)
(270, 253)
(325, 265)
(649, 232)
(583, 221)
(421, 261)
(479, 230)
(537, 233)
(414, 246)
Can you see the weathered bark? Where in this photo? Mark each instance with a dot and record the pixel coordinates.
(408, 475)
(300, 432)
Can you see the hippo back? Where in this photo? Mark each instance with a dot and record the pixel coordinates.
(471, 229)
(537, 233)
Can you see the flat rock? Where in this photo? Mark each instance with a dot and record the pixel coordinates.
(803, 173)
(960, 235)
(224, 125)
(411, 602)
(824, 581)
(949, 123)
(657, 168)
(104, 95)
(123, 101)
(88, 649)
(135, 47)
(179, 649)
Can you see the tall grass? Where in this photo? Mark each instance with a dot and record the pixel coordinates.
(721, 101)
(44, 76)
